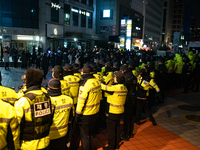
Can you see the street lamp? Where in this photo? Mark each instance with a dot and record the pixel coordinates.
(75, 39)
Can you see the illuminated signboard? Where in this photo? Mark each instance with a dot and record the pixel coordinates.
(106, 13)
(56, 6)
(74, 10)
(129, 28)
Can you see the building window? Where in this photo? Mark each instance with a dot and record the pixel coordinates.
(174, 27)
(90, 3)
(83, 1)
(66, 14)
(19, 13)
(106, 14)
(179, 21)
(83, 18)
(90, 15)
(174, 21)
(55, 11)
(175, 16)
(7, 21)
(75, 17)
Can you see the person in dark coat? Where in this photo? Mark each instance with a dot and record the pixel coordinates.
(24, 60)
(130, 83)
(15, 58)
(59, 59)
(160, 77)
(38, 61)
(45, 65)
(28, 57)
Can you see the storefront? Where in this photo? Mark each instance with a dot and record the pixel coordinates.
(54, 37)
(19, 38)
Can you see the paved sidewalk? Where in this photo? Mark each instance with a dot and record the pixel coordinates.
(173, 132)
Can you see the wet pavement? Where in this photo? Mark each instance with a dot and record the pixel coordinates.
(175, 131)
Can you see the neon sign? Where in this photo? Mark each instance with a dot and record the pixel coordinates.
(56, 6)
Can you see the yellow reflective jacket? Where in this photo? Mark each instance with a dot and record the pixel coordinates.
(62, 105)
(20, 93)
(73, 82)
(144, 86)
(170, 66)
(26, 111)
(100, 73)
(78, 75)
(108, 80)
(8, 95)
(117, 100)
(8, 118)
(98, 77)
(135, 73)
(178, 65)
(65, 88)
(89, 97)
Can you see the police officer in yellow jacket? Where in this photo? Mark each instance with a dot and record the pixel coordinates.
(108, 80)
(73, 82)
(144, 81)
(23, 88)
(62, 115)
(88, 105)
(34, 113)
(75, 71)
(115, 109)
(9, 127)
(58, 74)
(97, 76)
(7, 94)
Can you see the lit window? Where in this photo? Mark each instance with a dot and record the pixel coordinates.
(106, 13)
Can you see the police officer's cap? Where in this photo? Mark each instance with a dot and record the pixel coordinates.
(161, 60)
(151, 63)
(87, 69)
(132, 64)
(75, 66)
(58, 72)
(124, 67)
(68, 67)
(120, 77)
(116, 64)
(94, 66)
(54, 84)
(109, 64)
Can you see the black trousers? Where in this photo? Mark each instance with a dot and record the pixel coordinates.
(151, 99)
(6, 65)
(58, 143)
(130, 107)
(178, 82)
(113, 127)
(140, 105)
(86, 128)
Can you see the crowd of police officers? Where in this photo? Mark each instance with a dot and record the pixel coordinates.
(80, 101)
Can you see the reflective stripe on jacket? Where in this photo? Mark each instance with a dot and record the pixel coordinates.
(89, 97)
(145, 86)
(73, 82)
(8, 95)
(35, 120)
(117, 99)
(109, 80)
(62, 105)
(8, 117)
